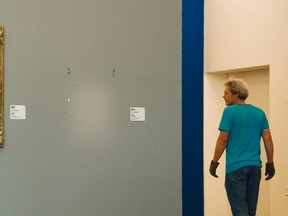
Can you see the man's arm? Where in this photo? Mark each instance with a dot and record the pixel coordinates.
(269, 148)
(220, 145)
(268, 143)
(219, 149)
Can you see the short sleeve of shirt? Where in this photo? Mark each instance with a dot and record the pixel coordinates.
(265, 124)
(226, 121)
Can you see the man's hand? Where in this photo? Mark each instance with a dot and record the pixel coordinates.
(269, 171)
(213, 167)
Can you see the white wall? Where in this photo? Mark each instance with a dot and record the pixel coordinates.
(215, 201)
(240, 34)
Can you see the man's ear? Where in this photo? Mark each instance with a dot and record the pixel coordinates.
(236, 95)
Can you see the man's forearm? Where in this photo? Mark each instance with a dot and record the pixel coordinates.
(220, 145)
(268, 143)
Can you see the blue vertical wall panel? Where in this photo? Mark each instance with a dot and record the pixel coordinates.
(192, 107)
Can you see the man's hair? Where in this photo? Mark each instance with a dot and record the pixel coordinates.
(237, 86)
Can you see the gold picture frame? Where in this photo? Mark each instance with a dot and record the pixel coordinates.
(1, 86)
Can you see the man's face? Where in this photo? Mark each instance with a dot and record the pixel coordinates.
(229, 97)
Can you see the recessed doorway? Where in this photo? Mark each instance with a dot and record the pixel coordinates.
(257, 77)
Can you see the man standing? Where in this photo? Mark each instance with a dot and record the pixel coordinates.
(241, 128)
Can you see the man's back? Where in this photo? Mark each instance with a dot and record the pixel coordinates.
(245, 124)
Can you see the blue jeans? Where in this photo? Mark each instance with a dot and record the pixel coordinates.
(242, 187)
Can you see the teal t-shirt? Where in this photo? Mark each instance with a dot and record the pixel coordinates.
(245, 124)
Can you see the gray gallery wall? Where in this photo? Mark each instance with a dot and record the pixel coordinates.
(77, 152)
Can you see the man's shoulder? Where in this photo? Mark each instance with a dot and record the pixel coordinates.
(256, 108)
(235, 108)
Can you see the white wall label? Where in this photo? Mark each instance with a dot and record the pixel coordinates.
(137, 113)
(17, 112)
